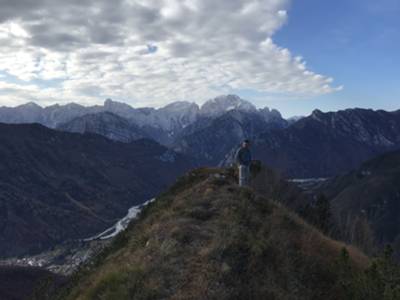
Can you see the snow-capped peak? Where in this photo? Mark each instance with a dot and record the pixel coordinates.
(180, 106)
(30, 105)
(222, 104)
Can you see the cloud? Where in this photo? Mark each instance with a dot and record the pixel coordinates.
(152, 51)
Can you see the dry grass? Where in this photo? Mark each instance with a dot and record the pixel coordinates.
(209, 239)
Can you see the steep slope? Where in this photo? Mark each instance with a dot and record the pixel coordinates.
(164, 124)
(54, 115)
(56, 186)
(366, 202)
(206, 238)
(176, 116)
(209, 140)
(326, 144)
(106, 124)
(26, 283)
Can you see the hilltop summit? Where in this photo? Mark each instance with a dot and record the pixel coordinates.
(206, 238)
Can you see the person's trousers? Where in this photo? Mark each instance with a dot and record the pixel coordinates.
(244, 175)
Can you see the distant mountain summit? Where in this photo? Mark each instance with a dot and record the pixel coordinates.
(178, 115)
(220, 105)
(106, 124)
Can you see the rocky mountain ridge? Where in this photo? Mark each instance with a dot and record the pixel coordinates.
(327, 144)
(106, 124)
(163, 124)
(176, 114)
(318, 146)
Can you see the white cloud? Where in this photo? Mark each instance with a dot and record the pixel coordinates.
(152, 51)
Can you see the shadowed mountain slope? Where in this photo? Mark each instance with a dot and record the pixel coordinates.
(366, 201)
(209, 140)
(56, 186)
(327, 144)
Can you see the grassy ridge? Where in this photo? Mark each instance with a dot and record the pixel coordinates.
(206, 238)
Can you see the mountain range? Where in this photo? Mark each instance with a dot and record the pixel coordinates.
(204, 237)
(163, 124)
(56, 186)
(328, 144)
(106, 124)
(319, 145)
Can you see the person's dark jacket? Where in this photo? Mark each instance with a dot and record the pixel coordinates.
(243, 156)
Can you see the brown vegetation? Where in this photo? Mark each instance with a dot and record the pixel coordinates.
(206, 238)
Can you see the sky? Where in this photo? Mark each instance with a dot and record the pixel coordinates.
(295, 56)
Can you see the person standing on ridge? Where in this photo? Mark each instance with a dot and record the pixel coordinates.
(243, 159)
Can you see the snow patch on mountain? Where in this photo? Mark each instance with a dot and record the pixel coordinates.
(164, 124)
(223, 104)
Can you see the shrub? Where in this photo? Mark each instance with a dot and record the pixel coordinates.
(381, 281)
